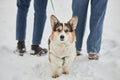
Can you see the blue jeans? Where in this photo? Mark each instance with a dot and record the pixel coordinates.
(39, 19)
(98, 9)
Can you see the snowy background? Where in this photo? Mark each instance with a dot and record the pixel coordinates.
(14, 67)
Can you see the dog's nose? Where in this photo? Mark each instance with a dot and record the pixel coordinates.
(62, 37)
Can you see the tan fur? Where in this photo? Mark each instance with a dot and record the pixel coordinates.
(66, 28)
(49, 58)
(73, 37)
(60, 28)
(52, 36)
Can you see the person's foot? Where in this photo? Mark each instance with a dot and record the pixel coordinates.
(21, 48)
(37, 50)
(93, 57)
(78, 53)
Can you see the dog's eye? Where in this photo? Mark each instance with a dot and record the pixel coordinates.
(59, 30)
(66, 31)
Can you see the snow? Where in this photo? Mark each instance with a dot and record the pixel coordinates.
(14, 67)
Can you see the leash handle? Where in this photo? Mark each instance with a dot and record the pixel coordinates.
(52, 5)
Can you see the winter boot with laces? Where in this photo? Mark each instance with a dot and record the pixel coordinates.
(37, 50)
(21, 48)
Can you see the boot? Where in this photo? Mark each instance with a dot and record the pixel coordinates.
(21, 48)
(37, 50)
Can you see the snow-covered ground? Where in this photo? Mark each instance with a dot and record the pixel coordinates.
(14, 67)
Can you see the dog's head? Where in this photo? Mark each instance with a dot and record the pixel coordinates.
(63, 32)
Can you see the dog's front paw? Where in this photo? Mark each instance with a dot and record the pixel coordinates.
(55, 75)
(65, 72)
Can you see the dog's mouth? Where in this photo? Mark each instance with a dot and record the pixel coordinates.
(61, 39)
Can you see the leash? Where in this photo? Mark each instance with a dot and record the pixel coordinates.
(52, 5)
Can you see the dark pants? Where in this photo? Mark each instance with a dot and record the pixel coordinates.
(39, 19)
(98, 9)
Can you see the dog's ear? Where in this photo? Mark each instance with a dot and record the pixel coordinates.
(73, 22)
(53, 20)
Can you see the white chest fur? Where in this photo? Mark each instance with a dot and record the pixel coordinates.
(62, 49)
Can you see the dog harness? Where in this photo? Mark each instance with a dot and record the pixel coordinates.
(63, 58)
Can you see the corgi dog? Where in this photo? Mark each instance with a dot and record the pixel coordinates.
(61, 45)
